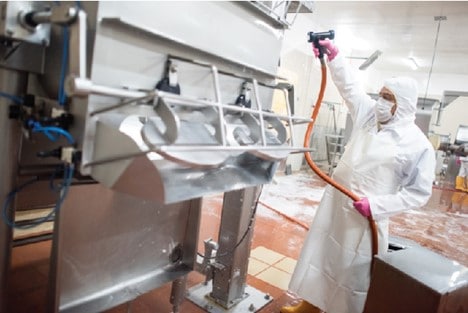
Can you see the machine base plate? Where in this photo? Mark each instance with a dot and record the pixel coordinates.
(253, 301)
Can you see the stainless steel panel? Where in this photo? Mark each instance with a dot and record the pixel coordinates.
(110, 248)
(246, 39)
(415, 279)
(166, 181)
(23, 56)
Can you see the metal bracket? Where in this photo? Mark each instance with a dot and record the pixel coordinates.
(60, 15)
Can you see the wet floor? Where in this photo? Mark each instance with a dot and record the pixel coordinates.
(287, 206)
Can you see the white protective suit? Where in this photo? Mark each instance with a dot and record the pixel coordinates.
(393, 167)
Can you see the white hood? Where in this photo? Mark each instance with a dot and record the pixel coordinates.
(405, 90)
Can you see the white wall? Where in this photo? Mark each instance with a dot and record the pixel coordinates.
(304, 72)
(297, 68)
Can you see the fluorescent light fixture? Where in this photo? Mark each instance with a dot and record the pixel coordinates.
(413, 64)
(370, 60)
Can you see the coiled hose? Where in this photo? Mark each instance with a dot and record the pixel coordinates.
(322, 175)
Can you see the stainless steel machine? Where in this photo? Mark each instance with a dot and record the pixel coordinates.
(143, 108)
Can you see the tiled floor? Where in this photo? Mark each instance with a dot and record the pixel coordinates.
(271, 267)
(288, 206)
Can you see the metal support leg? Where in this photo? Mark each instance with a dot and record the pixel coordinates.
(229, 292)
(178, 293)
(14, 83)
(231, 273)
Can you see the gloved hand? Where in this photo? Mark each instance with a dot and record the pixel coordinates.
(458, 161)
(363, 207)
(328, 48)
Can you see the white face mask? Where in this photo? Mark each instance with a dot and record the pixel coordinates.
(383, 110)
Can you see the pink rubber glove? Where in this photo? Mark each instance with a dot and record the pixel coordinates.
(363, 207)
(328, 48)
(458, 161)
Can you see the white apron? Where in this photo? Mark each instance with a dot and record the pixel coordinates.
(333, 271)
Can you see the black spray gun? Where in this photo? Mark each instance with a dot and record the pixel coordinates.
(315, 37)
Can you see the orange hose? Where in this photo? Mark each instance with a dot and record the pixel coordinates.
(322, 175)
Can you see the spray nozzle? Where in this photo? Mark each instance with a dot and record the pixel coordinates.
(316, 37)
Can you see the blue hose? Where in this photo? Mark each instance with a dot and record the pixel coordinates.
(67, 179)
(15, 99)
(50, 131)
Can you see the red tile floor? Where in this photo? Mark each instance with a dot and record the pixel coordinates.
(287, 205)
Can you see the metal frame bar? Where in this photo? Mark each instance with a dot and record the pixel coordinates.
(80, 86)
(198, 148)
(13, 82)
(221, 121)
(260, 111)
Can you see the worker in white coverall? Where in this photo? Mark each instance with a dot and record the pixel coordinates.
(389, 163)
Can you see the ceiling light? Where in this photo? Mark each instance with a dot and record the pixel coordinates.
(413, 64)
(370, 60)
